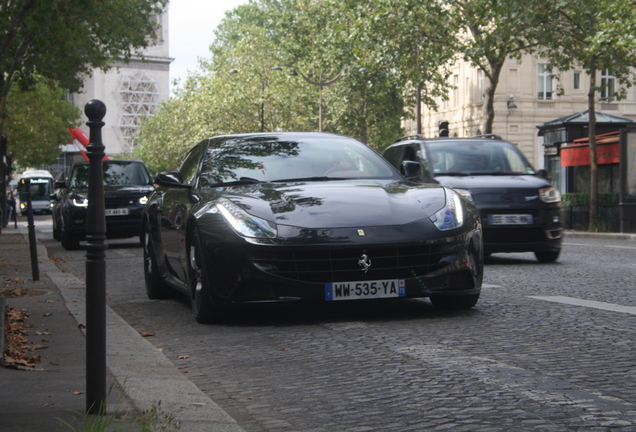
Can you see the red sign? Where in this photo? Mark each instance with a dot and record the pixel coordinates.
(577, 155)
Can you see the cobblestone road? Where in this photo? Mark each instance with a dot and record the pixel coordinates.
(527, 358)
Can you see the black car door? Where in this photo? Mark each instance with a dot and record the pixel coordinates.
(176, 205)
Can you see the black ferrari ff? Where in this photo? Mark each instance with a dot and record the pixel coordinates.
(314, 217)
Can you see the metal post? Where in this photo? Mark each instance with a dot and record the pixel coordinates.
(3, 177)
(95, 264)
(35, 269)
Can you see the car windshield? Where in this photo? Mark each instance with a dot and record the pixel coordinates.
(116, 173)
(268, 159)
(477, 158)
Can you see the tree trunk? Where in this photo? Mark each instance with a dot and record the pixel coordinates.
(489, 103)
(593, 165)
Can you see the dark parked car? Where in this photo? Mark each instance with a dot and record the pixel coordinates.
(127, 185)
(520, 210)
(284, 217)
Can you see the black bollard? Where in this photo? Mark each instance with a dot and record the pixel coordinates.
(95, 264)
(35, 266)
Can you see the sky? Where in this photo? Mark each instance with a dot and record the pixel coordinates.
(192, 23)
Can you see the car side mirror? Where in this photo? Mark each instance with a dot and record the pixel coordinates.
(170, 178)
(544, 174)
(411, 170)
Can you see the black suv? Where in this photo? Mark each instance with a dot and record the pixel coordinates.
(520, 210)
(127, 185)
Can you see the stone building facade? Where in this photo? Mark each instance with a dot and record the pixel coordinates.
(130, 91)
(533, 90)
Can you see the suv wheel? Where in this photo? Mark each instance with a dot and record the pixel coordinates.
(547, 256)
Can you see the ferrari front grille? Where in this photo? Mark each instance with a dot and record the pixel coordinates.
(343, 264)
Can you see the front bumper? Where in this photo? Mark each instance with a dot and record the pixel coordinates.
(248, 273)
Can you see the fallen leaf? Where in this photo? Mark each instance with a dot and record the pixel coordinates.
(286, 349)
(40, 333)
(44, 340)
(146, 334)
(48, 314)
(183, 357)
(78, 392)
(39, 347)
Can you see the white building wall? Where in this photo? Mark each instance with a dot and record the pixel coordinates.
(129, 92)
(518, 79)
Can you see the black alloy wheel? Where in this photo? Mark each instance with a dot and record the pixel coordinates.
(156, 288)
(454, 302)
(204, 308)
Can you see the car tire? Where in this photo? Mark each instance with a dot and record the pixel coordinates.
(156, 288)
(205, 309)
(56, 230)
(454, 302)
(69, 242)
(547, 256)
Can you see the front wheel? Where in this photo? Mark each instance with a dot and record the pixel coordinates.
(204, 308)
(454, 302)
(547, 256)
(69, 242)
(156, 288)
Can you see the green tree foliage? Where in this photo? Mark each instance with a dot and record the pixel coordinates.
(64, 40)
(37, 121)
(491, 32)
(595, 35)
(237, 91)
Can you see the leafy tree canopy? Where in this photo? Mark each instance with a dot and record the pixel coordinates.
(64, 40)
(37, 121)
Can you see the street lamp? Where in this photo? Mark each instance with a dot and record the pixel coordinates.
(320, 84)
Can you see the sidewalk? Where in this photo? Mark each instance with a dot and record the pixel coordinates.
(35, 400)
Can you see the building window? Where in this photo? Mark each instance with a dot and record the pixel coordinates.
(544, 82)
(608, 85)
(577, 80)
(467, 89)
(455, 91)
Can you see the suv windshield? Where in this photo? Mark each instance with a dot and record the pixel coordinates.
(116, 173)
(477, 158)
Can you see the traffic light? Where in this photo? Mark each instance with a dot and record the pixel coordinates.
(443, 128)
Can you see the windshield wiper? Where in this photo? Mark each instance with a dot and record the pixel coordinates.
(299, 179)
(452, 174)
(241, 181)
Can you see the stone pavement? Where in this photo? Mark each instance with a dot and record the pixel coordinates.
(139, 376)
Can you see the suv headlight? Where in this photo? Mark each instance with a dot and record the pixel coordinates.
(549, 194)
(451, 215)
(80, 202)
(244, 223)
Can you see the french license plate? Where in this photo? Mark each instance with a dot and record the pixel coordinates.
(116, 212)
(365, 290)
(521, 219)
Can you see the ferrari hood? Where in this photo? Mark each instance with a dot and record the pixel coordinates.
(342, 203)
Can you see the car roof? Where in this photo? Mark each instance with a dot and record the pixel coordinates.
(278, 135)
(417, 137)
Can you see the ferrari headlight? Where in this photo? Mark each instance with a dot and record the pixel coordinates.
(549, 194)
(465, 193)
(452, 214)
(244, 223)
(80, 202)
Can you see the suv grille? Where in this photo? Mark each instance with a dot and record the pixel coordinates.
(341, 265)
(514, 235)
(121, 202)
